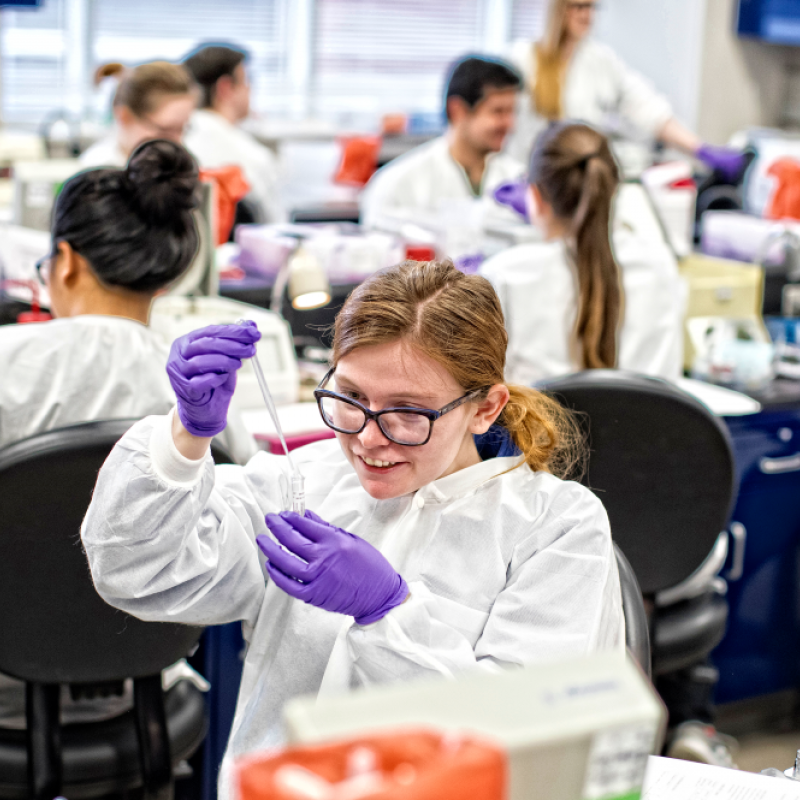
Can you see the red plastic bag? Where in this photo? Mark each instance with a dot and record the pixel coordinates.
(785, 201)
(231, 187)
(404, 765)
(359, 159)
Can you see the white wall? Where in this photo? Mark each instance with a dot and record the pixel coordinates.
(743, 82)
(662, 39)
(717, 83)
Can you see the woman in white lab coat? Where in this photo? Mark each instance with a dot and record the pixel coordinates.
(571, 76)
(119, 237)
(152, 101)
(585, 299)
(424, 556)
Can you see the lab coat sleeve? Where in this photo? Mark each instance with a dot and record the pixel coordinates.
(640, 103)
(560, 600)
(174, 542)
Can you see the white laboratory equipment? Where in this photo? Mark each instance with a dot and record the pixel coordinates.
(673, 194)
(573, 730)
(172, 316)
(36, 184)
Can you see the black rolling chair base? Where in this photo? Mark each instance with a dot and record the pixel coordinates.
(103, 758)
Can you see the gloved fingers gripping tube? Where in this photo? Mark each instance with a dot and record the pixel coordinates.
(297, 484)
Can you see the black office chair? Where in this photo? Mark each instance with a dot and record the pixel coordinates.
(637, 626)
(662, 464)
(55, 629)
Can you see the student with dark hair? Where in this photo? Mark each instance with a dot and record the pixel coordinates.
(463, 165)
(596, 294)
(152, 101)
(214, 135)
(119, 237)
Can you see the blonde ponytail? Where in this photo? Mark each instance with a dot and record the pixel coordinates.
(547, 90)
(551, 66)
(547, 435)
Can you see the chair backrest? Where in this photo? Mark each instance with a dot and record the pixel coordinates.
(54, 627)
(662, 464)
(637, 629)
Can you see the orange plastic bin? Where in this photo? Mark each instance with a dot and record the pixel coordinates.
(403, 765)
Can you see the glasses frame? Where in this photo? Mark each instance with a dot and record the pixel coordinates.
(430, 413)
(161, 131)
(48, 259)
(579, 5)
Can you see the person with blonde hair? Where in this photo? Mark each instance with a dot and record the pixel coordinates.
(594, 294)
(440, 536)
(152, 101)
(572, 76)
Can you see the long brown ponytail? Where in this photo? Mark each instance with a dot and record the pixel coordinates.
(457, 320)
(573, 169)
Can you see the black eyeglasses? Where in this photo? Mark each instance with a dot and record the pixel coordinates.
(43, 266)
(411, 427)
(581, 6)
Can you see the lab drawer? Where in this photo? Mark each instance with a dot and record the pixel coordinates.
(760, 653)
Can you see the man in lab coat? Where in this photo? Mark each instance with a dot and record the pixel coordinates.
(214, 136)
(452, 178)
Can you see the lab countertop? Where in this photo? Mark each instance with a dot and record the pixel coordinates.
(781, 394)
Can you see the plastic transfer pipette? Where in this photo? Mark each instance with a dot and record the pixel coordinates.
(298, 482)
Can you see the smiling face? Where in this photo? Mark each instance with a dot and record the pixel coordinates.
(485, 126)
(397, 374)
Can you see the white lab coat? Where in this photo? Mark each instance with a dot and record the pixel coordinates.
(84, 368)
(538, 288)
(503, 569)
(599, 89)
(105, 152)
(215, 142)
(428, 187)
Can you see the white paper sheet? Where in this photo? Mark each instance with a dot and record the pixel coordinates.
(671, 779)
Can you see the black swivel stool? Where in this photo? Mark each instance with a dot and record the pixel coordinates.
(55, 629)
(662, 464)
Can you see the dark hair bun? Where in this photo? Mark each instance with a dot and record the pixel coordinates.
(163, 180)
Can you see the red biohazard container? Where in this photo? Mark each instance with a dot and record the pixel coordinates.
(402, 765)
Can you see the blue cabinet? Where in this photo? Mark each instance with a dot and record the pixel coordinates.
(775, 21)
(760, 653)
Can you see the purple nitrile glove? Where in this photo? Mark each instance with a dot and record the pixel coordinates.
(339, 571)
(725, 160)
(514, 195)
(202, 369)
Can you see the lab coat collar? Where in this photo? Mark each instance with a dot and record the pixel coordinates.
(486, 164)
(106, 319)
(466, 480)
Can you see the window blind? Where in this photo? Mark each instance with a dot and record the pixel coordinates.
(150, 29)
(374, 56)
(364, 57)
(33, 62)
(528, 19)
